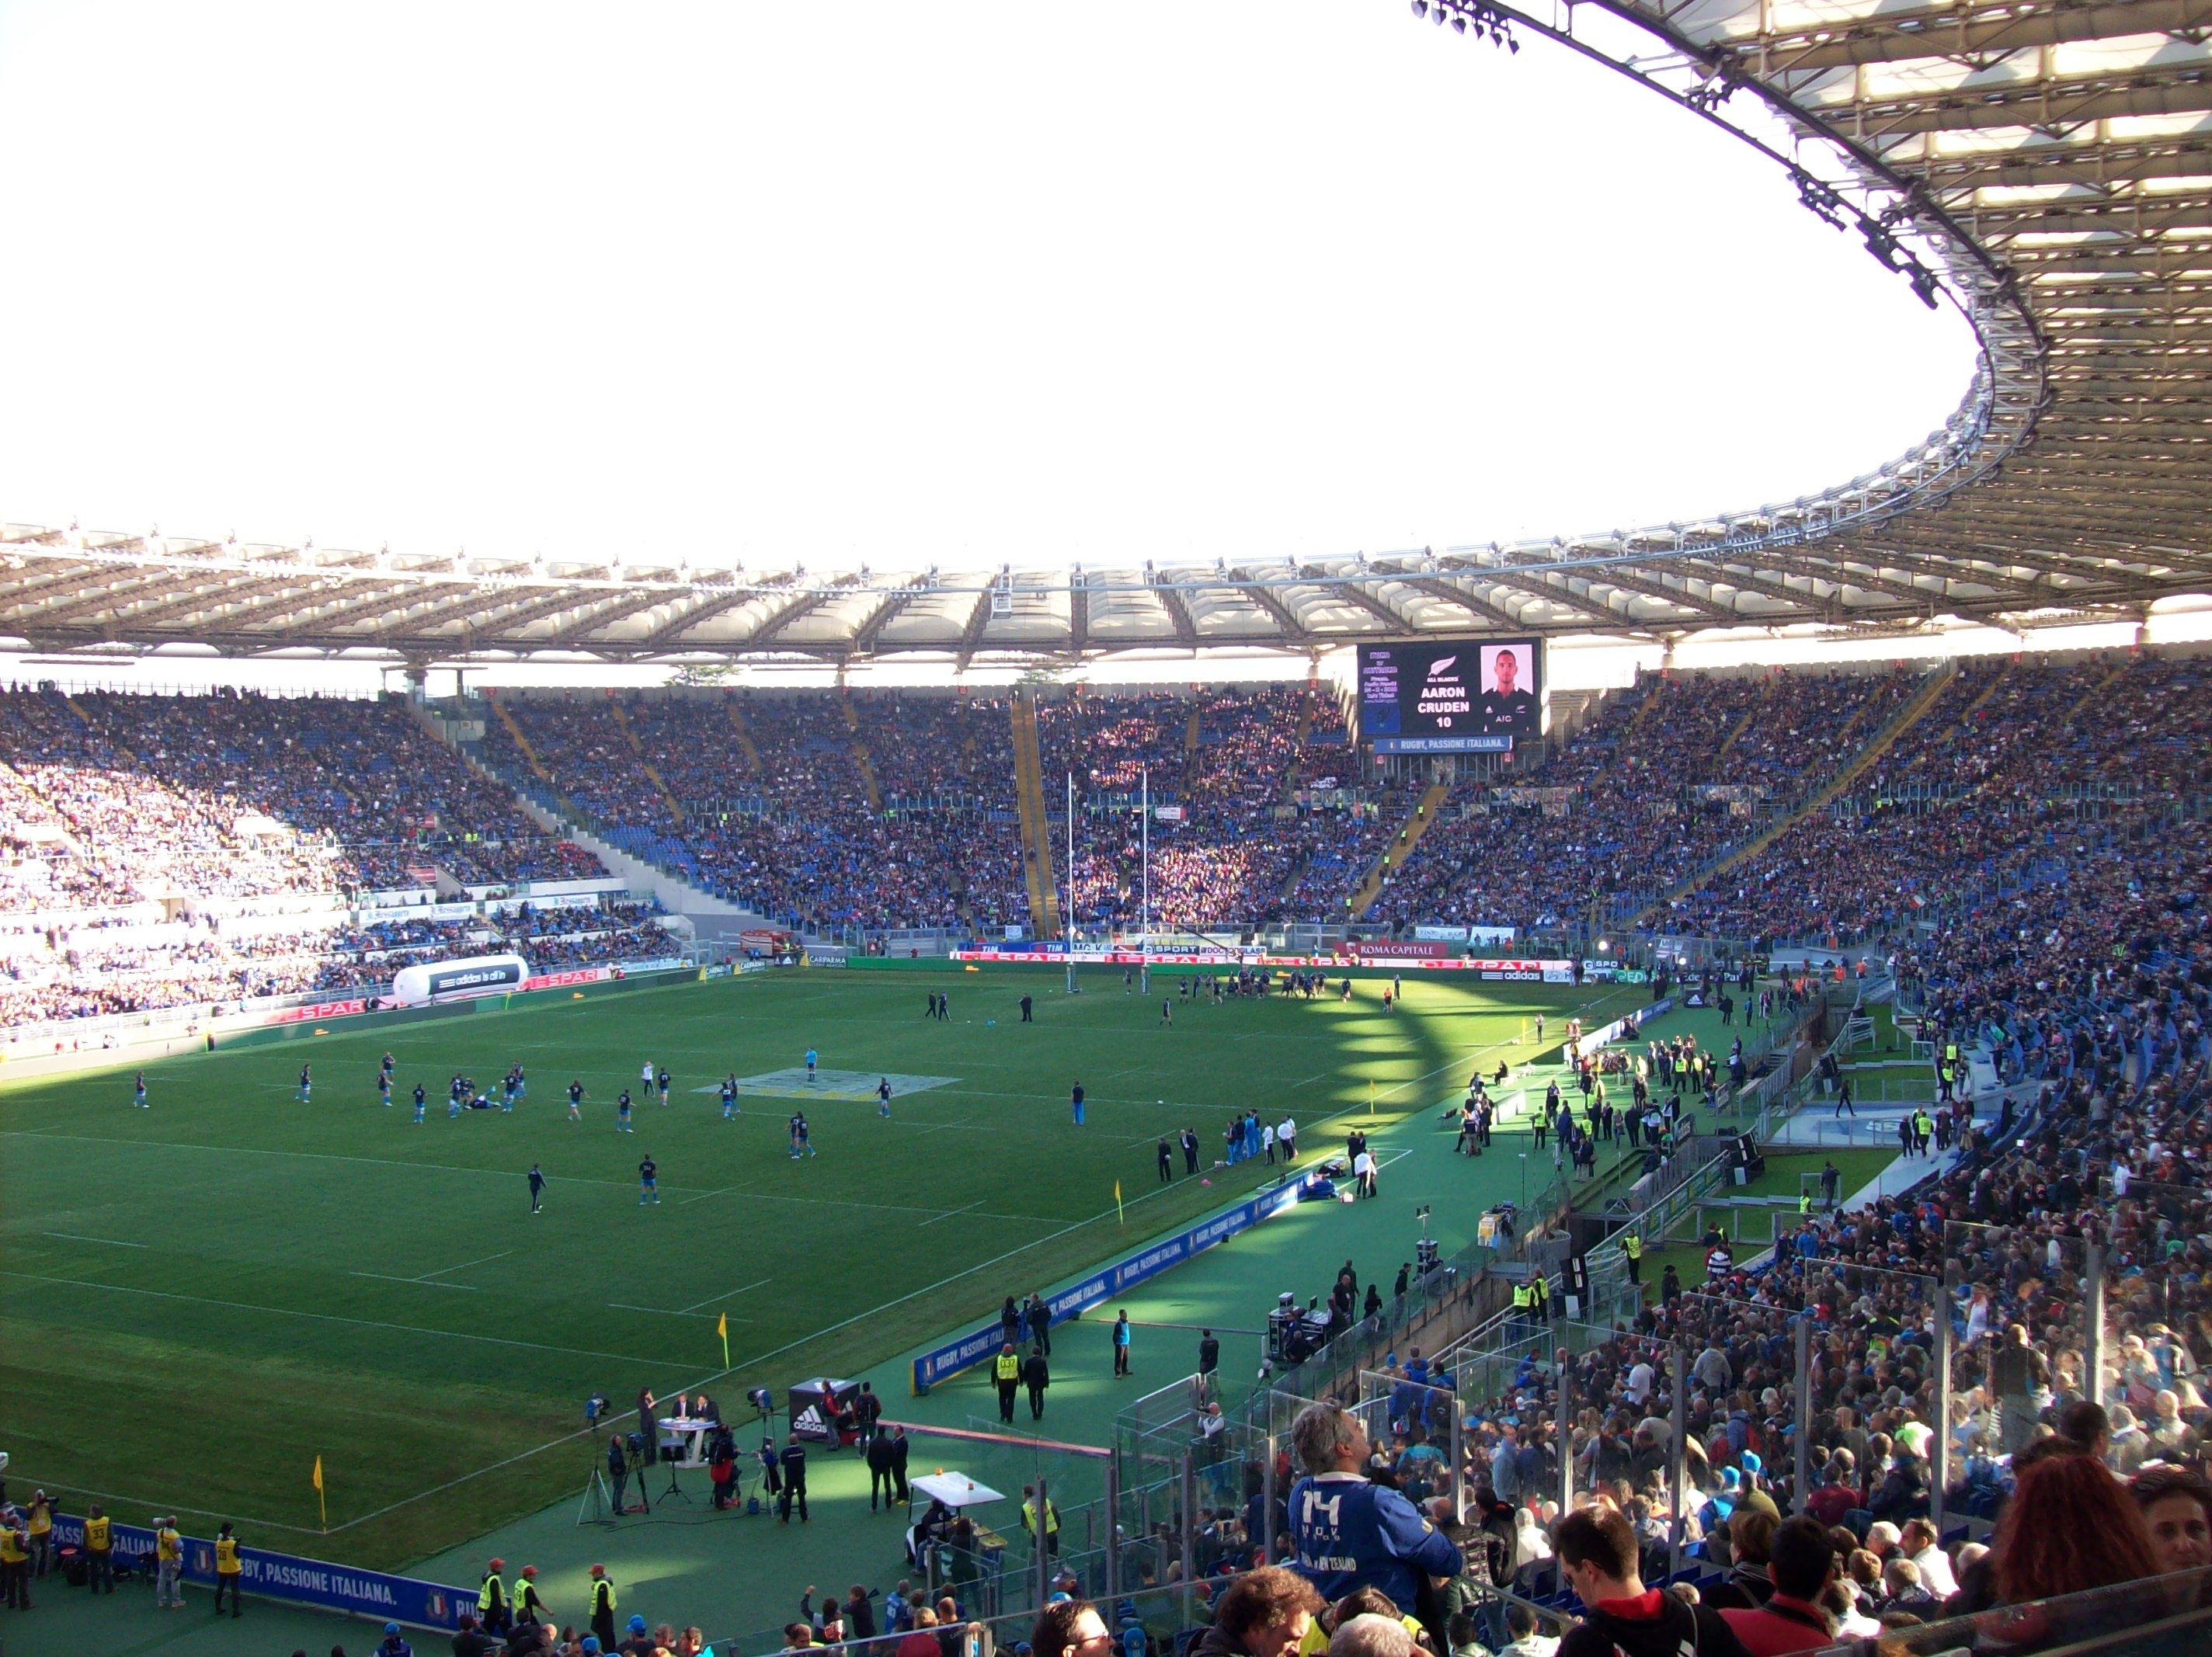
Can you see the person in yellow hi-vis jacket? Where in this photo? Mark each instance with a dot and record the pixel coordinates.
(168, 1565)
(229, 1570)
(15, 1564)
(100, 1550)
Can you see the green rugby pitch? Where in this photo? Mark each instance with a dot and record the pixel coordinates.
(198, 1299)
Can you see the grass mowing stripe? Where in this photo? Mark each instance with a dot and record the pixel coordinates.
(319, 1317)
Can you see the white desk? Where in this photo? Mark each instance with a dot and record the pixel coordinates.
(688, 1433)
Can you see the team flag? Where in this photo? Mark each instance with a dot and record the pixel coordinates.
(320, 1502)
(722, 1328)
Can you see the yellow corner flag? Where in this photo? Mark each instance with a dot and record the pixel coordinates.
(722, 1328)
(1119, 1217)
(321, 1503)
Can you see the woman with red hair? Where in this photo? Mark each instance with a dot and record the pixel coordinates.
(2068, 1527)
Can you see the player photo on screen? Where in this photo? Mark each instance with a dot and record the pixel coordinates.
(1508, 702)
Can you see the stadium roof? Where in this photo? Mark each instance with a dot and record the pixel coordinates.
(2046, 168)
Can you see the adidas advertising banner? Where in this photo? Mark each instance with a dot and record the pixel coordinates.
(303, 1581)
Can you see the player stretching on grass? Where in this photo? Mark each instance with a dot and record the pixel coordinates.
(576, 1100)
(648, 1182)
(801, 1144)
(139, 1092)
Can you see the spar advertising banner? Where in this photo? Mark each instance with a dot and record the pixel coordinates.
(303, 1581)
(1103, 1284)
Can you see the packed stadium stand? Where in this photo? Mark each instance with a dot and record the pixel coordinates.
(172, 851)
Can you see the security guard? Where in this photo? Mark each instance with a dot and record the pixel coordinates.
(228, 1570)
(525, 1597)
(1804, 1204)
(1524, 1304)
(1540, 1290)
(99, 1550)
(1007, 1371)
(1631, 1246)
(603, 1608)
(491, 1600)
(1051, 1520)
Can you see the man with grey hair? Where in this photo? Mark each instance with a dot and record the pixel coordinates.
(1347, 1532)
(1369, 1635)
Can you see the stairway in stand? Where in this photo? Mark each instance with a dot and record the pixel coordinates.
(1036, 824)
(622, 718)
(1401, 848)
(1924, 697)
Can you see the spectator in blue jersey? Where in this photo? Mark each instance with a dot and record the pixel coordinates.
(1348, 1532)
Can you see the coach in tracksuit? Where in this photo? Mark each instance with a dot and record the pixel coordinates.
(1349, 1533)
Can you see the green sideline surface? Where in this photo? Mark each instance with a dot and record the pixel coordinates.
(197, 1300)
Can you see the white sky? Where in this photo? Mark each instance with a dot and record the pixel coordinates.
(959, 283)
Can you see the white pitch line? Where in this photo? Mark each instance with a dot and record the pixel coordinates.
(949, 1213)
(662, 1312)
(420, 1283)
(111, 1241)
(731, 1296)
(448, 1271)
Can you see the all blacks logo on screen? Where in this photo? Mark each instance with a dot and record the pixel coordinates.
(1443, 693)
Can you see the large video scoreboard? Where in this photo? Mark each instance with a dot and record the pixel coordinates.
(1451, 696)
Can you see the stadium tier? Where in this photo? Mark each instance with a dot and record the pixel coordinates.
(173, 851)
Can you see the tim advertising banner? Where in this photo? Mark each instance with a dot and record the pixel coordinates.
(304, 1581)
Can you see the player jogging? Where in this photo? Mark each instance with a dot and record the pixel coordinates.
(729, 1095)
(1075, 1102)
(648, 1182)
(522, 1084)
(1167, 1010)
(421, 1095)
(305, 1082)
(384, 1089)
(801, 1144)
(139, 1092)
(883, 1096)
(536, 1189)
(661, 1082)
(810, 1066)
(507, 1092)
(622, 1112)
(575, 1100)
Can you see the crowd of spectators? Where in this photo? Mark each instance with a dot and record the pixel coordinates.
(881, 810)
(1666, 779)
(118, 797)
(767, 800)
(2019, 774)
(140, 835)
